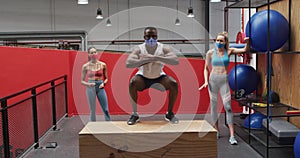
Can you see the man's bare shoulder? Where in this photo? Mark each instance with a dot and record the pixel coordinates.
(136, 50)
(166, 48)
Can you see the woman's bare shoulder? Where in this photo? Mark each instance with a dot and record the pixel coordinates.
(210, 52)
(102, 63)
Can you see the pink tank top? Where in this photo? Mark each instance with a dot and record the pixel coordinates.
(95, 73)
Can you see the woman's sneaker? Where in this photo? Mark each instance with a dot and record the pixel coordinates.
(232, 140)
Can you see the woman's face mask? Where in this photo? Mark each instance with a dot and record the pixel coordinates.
(94, 56)
(219, 45)
(151, 42)
(220, 42)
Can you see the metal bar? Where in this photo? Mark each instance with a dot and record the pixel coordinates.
(35, 119)
(269, 60)
(206, 25)
(114, 42)
(249, 126)
(255, 4)
(40, 34)
(225, 19)
(66, 93)
(29, 89)
(53, 105)
(5, 132)
(249, 9)
(32, 37)
(235, 78)
(290, 14)
(82, 35)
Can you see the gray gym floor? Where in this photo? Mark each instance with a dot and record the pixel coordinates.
(67, 139)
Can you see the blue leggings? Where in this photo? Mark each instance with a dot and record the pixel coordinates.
(91, 93)
(219, 82)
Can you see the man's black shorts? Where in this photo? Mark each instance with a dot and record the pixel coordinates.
(150, 82)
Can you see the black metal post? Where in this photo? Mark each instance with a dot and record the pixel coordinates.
(35, 119)
(53, 105)
(206, 25)
(290, 14)
(235, 79)
(66, 93)
(5, 129)
(269, 55)
(226, 17)
(250, 35)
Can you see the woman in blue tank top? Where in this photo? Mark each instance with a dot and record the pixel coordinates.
(216, 63)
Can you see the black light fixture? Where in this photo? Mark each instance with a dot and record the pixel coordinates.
(83, 2)
(108, 22)
(177, 21)
(190, 11)
(99, 12)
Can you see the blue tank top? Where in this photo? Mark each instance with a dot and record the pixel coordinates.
(220, 61)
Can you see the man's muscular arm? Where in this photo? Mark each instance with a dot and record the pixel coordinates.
(136, 59)
(169, 57)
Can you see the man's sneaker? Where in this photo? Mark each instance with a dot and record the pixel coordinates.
(232, 140)
(133, 120)
(171, 117)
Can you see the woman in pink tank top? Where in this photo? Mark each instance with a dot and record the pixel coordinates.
(96, 73)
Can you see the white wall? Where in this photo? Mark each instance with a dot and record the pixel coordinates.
(128, 18)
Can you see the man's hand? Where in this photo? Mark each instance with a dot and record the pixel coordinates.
(147, 57)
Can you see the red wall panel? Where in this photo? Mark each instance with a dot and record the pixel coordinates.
(25, 67)
(189, 74)
(22, 68)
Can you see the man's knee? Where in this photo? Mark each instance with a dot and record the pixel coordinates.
(172, 84)
(137, 83)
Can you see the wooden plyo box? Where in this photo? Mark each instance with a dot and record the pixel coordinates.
(148, 139)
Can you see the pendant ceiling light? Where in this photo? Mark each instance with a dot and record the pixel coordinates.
(177, 21)
(108, 22)
(215, 0)
(99, 12)
(83, 1)
(190, 11)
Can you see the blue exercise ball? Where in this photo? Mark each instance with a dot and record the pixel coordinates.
(279, 30)
(256, 120)
(297, 146)
(246, 78)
